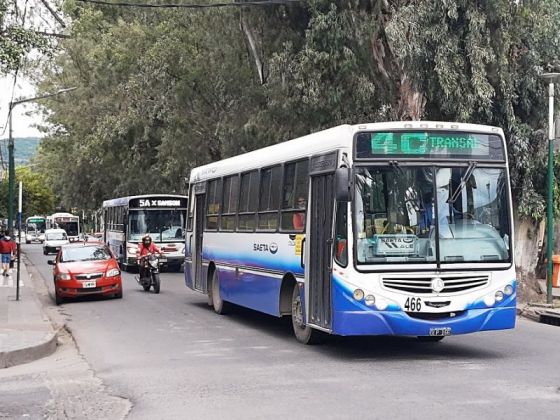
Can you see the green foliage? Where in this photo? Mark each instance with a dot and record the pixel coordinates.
(162, 92)
(38, 197)
(15, 39)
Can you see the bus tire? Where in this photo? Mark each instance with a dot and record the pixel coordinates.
(221, 307)
(304, 333)
(430, 338)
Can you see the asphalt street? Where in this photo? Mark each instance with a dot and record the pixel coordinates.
(174, 358)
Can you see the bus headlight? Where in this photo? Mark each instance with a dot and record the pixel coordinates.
(508, 290)
(370, 300)
(499, 296)
(358, 294)
(132, 251)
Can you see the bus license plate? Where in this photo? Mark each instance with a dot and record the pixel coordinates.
(440, 332)
(88, 284)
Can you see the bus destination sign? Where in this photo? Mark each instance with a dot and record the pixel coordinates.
(158, 202)
(435, 144)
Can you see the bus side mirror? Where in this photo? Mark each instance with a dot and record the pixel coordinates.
(342, 184)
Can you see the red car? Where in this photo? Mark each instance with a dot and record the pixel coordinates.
(83, 269)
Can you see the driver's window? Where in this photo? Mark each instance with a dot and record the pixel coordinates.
(340, 235)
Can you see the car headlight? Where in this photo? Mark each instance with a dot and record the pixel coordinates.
(132, 251)
(112, 272)
(63, 276)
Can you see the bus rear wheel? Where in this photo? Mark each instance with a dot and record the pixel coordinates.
(221, 307)
(304, 333)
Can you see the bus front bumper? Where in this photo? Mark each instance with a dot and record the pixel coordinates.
(400, 323)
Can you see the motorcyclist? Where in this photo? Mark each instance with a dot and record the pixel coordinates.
(146, 247)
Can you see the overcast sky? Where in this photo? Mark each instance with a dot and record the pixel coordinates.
(25, 116)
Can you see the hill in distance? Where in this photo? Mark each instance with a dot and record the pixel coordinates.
(24, 149)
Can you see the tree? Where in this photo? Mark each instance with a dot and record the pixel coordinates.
(37, 199)
(16, 40)
(162, 92)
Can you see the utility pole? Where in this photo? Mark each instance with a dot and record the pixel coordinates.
(550, 78)
(11, 164)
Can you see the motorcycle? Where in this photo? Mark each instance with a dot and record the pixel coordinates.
(149, 272)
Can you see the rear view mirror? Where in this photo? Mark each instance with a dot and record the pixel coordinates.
(50, 262)
(342, 184)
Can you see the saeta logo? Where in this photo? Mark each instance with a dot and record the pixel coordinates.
(272, 247)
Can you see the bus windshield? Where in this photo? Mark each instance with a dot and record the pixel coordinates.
(71, 228)
(404, 214)
(161, 225)
(35, 225)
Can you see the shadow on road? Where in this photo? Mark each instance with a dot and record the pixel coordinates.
(357, 348)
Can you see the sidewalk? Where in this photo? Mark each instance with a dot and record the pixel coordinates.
(26, 333)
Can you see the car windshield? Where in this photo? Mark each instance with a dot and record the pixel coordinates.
(161, 225)
(400, 211)
(86, 253)
(56, 236)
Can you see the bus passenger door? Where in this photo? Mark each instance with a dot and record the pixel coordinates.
(198, 230)
(319, 241)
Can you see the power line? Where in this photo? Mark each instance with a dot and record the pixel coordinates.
(191, 5)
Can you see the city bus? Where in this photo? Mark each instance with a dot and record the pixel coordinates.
(35, 229)
(127, 219)
(395, 228)
(66, 221)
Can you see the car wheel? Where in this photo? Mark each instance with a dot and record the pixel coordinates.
(45, 252)
(58, 299)
(118, 295)
(221, 307)
(304, 333)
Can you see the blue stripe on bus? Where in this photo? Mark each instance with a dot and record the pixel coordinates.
(261, 260)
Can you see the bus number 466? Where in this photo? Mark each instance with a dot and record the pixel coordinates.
(413, 304)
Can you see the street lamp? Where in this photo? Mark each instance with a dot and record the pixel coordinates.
(550, 78)
(11, 164)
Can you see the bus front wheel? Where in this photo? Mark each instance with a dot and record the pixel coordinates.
(221, 307)
(304, 333)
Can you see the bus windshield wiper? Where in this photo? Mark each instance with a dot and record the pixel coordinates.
(464, 179)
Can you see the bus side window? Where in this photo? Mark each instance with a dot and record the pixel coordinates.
(269, 198)
(192, 200)
(214, 199)
(248, 201)
(294, 196)
(340, 234)
(229, 203)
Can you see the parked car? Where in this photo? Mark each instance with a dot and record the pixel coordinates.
(54, 239)
(83, 269)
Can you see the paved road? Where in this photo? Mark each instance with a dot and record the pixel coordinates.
(175, 359)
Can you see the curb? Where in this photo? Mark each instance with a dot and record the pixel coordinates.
(29, 354)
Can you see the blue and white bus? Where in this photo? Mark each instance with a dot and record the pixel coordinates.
(397, 228)
(127, 219)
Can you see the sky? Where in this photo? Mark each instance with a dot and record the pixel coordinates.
(25, 116)
(33, 15)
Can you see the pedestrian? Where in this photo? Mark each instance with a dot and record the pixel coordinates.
(13, 254)
(5, 253)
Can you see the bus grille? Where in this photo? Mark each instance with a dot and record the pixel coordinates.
(452, 284)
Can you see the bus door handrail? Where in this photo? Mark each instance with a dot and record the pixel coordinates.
(302, 263)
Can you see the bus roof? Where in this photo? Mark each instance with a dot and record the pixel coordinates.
(339, 137)
(125, 200)
(62, 214)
